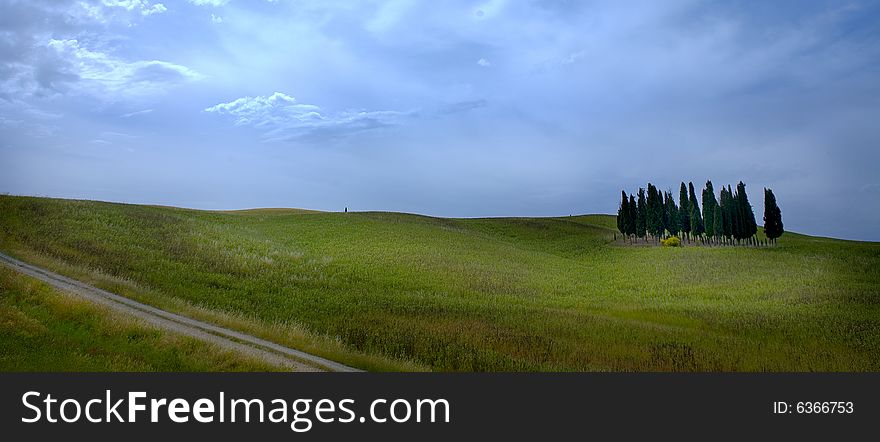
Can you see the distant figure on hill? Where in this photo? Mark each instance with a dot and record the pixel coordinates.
(346, 209)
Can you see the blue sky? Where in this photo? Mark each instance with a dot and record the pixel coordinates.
(452, 108)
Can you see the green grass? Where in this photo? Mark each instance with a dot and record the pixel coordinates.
(389, 291)
(44, 330)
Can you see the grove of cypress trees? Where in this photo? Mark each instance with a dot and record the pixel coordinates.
(642, 216)
(772, 216)
(729, 216)
(684, 211)
(697, 227)
(710, 204)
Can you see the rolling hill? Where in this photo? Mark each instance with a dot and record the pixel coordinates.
(393, 291)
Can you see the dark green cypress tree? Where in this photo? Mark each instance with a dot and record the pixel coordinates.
(749, 226)
(684, 211)
(664, 215)
(622, 213)
(697, 227)
(654, 217)
(642, 210)
(631, 218)
(672, 213)
(772, 216)
(709, 206)
(735, 215)
(726, 227)
(717, 227)
(658, 213)
(650, 202)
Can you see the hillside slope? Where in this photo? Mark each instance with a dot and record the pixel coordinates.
(392, 291)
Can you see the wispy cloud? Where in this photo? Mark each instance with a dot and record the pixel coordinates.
(142, 6)
(209, 2)
(283, 118)
(136, 113)
(43, 53)
(104, 74)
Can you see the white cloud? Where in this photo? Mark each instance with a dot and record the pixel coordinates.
(136, 113)
(284, 118)
(92, 12)
(103, 73)
(209, 2)
(142, 6)
(484, 63)
(216, 19)
(104, 11)
(30, 67)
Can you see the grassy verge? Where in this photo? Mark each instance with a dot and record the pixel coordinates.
(45, 330)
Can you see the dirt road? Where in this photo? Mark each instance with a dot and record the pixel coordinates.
(223, 337)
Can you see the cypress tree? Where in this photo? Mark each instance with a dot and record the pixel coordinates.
(642, 217)
(654, 216)
(697, 227)
(772, 217)
(650, 202)
(664, 214)
(749, 226)
(631, 218)
(684, 214)
(672, 214)
(722, 205)
(717, 227)
(658, 213)
(622, 213)
(735, 216)
(725, 213)
(710, 204)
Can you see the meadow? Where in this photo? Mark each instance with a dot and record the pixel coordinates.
(391, 291)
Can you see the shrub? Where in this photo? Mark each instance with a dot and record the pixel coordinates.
(672, 241)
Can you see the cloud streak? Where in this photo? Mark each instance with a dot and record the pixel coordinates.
(209, 2)
(112, 77)
(141, 6)
(136, 113)
(282, 117)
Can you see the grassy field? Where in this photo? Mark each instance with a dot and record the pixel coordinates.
(44, 330)
(389, 291)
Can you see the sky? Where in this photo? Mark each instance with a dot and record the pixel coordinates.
(452, 108)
